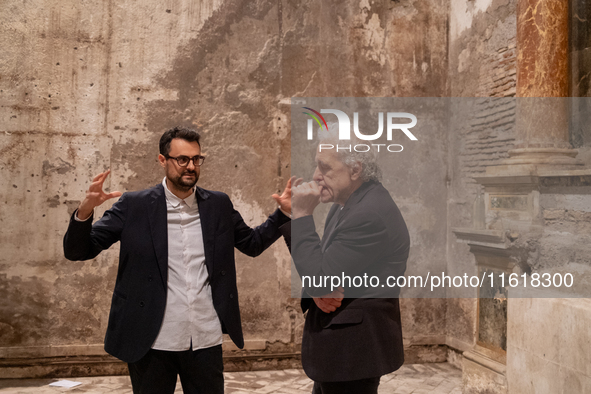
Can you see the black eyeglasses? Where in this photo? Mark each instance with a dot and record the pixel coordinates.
(183, 161)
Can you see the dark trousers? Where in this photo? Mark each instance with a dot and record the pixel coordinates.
(362, 386)
(201, 372)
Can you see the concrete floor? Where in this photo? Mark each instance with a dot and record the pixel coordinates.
(412, 378)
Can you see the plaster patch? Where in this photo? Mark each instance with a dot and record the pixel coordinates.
(280, 125)
(364, 4)
(268, 48)
(464, 60)
(25, 271)
(462, 14)
(251, 212)
(373, 37)
(250, 96)
(60, 167)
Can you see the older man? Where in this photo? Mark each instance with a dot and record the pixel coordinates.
(348, 346)
(175, 291)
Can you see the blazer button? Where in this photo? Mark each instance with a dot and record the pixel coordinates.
(142, 304)
(231, 295)
(223, 273)
(149, 278)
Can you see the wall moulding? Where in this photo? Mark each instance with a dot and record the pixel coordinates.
(517, 201)
(92, 360)
(17, 352)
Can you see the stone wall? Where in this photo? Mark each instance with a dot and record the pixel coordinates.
(482, 63)
(89, 86)
(538, 368)
(86, 86)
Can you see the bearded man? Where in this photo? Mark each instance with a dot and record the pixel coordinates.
(175, 292)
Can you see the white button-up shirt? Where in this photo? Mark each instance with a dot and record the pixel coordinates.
(190, 317)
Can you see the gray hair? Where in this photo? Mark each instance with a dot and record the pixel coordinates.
(370, 171)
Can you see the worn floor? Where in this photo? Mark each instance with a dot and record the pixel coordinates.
(410, 379)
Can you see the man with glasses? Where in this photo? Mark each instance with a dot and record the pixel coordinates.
(175, 291)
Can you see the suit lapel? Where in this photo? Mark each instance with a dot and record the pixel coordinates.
(159, 229)
(331, 222)
(207, 213)
(336, 215)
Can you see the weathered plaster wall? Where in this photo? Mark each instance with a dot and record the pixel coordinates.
(482, 63)
(482, 48)
(365, 48)
(86, 86)
(89, 86)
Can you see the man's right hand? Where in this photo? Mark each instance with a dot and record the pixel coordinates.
(305, 197)
(95, 196)
(330, 302)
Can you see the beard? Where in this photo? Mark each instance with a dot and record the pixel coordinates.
(184, 184)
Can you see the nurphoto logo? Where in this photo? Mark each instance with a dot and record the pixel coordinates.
(392, 124)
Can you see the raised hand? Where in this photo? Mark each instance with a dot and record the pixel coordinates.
(284, 200)
(95, 196)
(305, 198)
(330, 302)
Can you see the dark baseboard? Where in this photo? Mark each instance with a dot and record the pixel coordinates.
(80, 366)
(235, 361)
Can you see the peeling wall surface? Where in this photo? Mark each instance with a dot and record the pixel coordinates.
(91, 85)
(482, 63)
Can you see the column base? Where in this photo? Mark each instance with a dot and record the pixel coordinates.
(538, 161)
(482, 375)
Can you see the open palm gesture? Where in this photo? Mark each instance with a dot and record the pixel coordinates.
(95, 196)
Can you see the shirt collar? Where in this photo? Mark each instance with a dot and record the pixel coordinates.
(174, 200)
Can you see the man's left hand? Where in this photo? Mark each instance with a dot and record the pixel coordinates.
(284, 200)
(330, 302)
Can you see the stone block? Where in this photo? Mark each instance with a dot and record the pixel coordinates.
(553, 214)
(481, 379)
(548, 348)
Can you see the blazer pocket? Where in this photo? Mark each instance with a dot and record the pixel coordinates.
(346, 316)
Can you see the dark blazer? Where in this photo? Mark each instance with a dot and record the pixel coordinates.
(363, 338)
(139, 221)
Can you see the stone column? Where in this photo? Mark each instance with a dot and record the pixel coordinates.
(580, 71)
(542, 48)
(542, 124)
(580, 48)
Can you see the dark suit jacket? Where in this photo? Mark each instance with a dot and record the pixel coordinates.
(139, 221)
(363, 338)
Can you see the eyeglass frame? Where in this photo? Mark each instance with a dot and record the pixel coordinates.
(199, 163)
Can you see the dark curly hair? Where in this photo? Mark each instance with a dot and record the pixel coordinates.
(177, 132)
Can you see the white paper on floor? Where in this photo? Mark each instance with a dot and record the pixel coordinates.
(65, 383)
